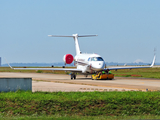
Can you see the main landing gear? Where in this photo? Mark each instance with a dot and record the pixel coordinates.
(73, 76)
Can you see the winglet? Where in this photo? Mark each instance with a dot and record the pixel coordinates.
(8, 64)
(153, 61)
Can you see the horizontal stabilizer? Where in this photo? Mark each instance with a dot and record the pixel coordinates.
(87, 35)
(74, 35)
(59, 36)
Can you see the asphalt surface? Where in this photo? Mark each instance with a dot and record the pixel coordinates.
(59, 82)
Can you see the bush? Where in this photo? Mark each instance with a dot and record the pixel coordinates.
(39, 71)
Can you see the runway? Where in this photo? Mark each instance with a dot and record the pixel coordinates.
(61, 82)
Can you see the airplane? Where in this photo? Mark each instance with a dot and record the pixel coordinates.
(85, 63)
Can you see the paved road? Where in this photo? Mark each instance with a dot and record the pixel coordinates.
(59, 82)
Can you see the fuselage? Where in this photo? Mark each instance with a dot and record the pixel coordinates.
(89, 63)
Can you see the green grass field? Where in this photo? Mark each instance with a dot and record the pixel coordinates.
(142, 73)
(75, 117)
(100, 104)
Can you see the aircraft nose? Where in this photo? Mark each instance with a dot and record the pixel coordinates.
(98, 65)
(101, 65)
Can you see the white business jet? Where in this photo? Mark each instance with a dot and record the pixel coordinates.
(85, 63)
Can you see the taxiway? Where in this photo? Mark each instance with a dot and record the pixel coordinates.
(61, 82)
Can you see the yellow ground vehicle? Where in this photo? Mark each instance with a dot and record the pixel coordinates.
(105, 76)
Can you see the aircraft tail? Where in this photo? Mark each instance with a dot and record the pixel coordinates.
(75, 37)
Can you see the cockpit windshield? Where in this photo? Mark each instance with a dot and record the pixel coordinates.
(95, 59)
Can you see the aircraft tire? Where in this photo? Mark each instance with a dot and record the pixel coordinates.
(72, 76)
(92, 78)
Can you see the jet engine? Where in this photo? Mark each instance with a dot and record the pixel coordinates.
(68, 59)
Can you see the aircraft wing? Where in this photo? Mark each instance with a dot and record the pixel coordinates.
(60, 69)
(118, 68)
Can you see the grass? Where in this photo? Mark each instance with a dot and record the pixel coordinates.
(75, 117)
(142, 73)
(103, 104)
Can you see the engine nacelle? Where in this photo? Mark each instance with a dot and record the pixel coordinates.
(68, 58)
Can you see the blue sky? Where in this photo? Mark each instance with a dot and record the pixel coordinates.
(127, 30)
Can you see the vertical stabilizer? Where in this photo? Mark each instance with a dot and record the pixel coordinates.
(76, 44)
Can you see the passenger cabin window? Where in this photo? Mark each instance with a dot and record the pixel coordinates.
(96, 59)
(89, 59)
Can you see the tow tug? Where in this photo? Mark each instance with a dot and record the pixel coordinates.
(103, 76)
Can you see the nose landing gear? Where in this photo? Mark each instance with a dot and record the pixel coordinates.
(73, 76)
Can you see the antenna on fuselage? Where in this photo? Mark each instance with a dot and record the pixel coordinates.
(75, 37)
